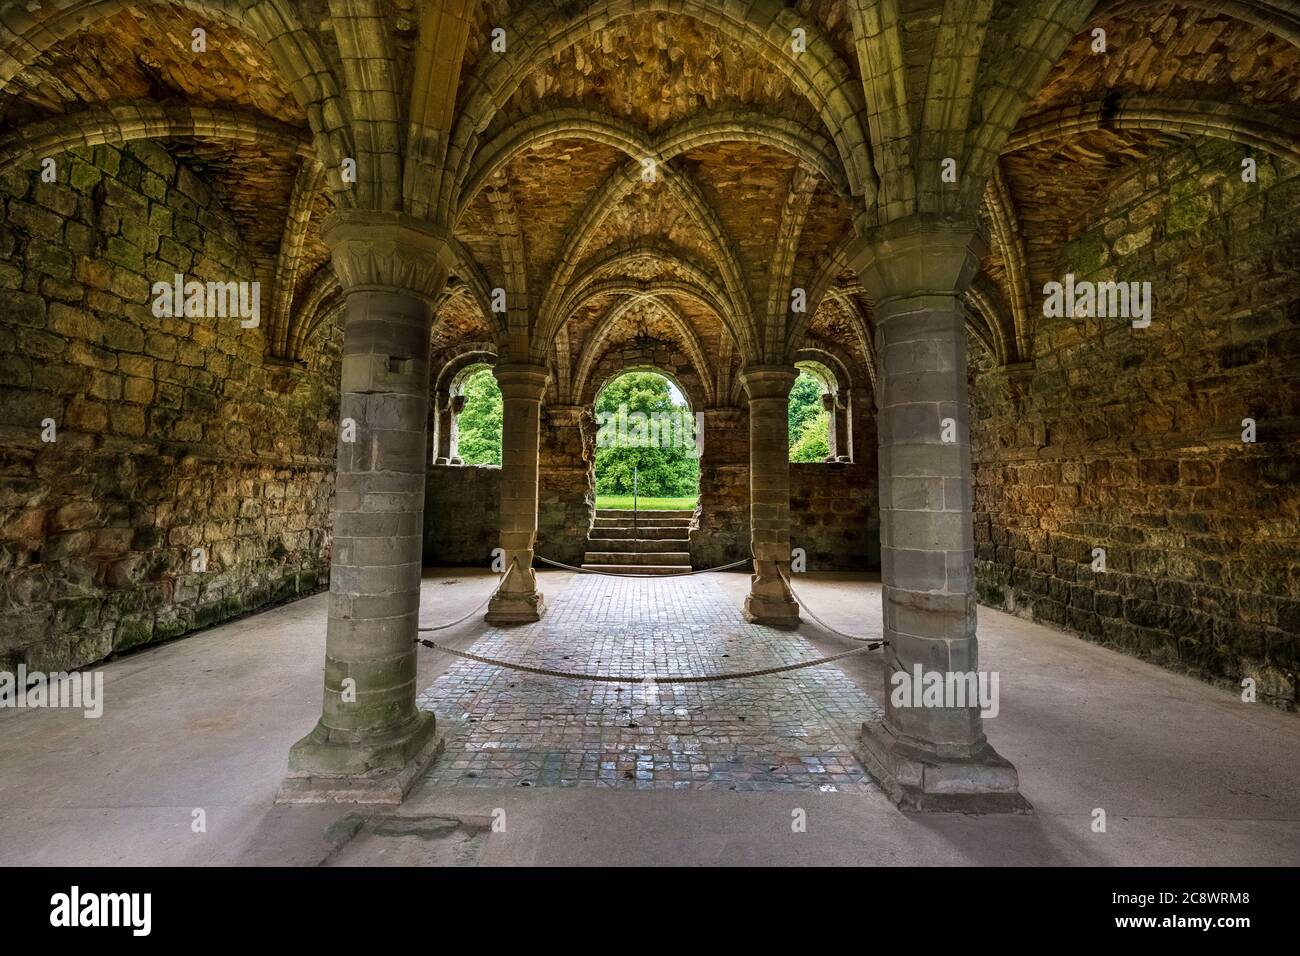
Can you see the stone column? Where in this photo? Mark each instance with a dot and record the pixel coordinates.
(832, 427)
(770, 601)
(442, 434)
(927, 757)
(843, 425)
(453, 443)
(517, 600)
(371, 742)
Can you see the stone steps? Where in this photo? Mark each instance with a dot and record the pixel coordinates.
(637, 568)
(676, 558)
(658, 546)
(642, 521)
(640, 532)
(657, 542)
(642, 515)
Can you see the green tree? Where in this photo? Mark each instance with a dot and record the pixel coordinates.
(667, 468)
(479, 435)
(813, 443)
(805, 405)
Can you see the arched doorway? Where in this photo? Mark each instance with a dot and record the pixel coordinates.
(646, 473)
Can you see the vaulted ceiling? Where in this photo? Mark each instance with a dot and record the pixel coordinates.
(664, 169)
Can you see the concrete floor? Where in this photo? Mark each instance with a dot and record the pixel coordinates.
(1187, 774)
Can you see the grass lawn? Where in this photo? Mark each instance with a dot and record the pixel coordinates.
(645, 504)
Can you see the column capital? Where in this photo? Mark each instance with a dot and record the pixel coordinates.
(376, 249)
(522, 380)
(919, 255)
(768, 381)
(565, 415)
(724, 413)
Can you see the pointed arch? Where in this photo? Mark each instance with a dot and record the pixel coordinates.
(878, 37)
(28, 30)
(861, 330)
(451, 362)
(697, 279)
(1249, 126)
(306, 187)
(785, 248)
(127, 122)
(321, 300)
(1279, 17)
(763, 26)
(807, 145)
(510, 238)
(822, 286)
(1040, 31)
(987, 321)
(595, 346)
(1010, 243)
(738, 312)
(467, 269)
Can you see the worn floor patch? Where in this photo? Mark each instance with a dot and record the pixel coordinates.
(781, 732)
(372, 840)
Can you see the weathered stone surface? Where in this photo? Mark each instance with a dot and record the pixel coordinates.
(172, 436)
(461, 514)
(1130, 440)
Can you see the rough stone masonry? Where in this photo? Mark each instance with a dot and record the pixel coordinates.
(566, 191)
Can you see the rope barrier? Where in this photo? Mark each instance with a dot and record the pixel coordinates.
(648, 678)
(803, 606)
(459, 620)
(462, 620)
(868, 644)
(621, 574)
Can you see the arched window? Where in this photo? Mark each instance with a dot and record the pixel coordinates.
(820, 423)
(477, 430)
(809, 419)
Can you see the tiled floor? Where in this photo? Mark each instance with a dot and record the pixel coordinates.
(789, 731)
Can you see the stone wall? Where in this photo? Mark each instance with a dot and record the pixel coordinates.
(171, 433)
(722, 518)
(833, 516)
(835, 513)
(1130, 439)
(566, 487)
(462, 515)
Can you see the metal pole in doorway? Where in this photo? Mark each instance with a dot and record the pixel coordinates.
(636, 549)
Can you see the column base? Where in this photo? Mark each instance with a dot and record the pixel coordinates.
(510, 609)
(770, 602)
(921, 781)
(770, 613)
(332, 771)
